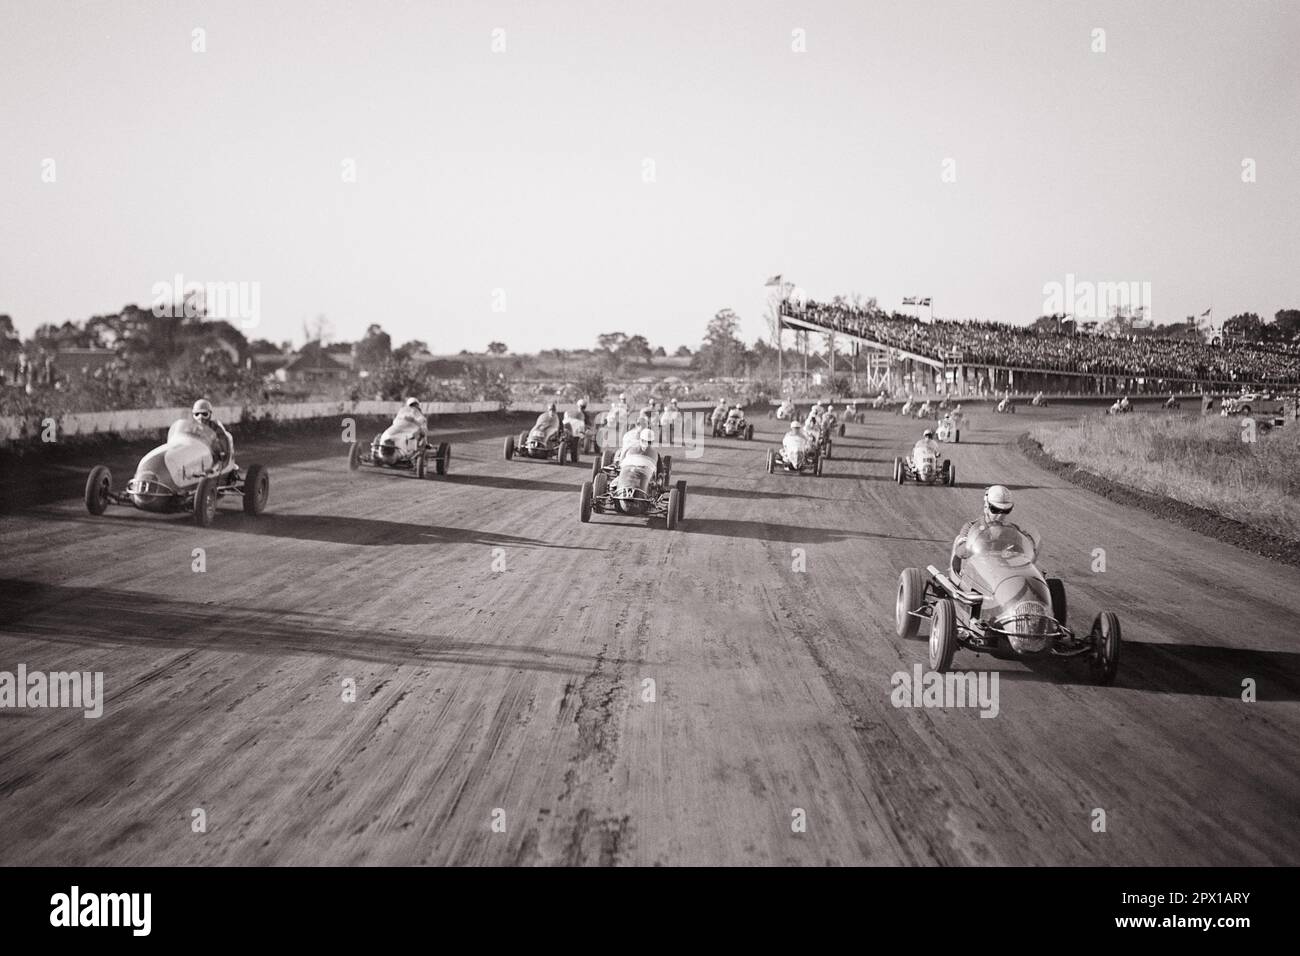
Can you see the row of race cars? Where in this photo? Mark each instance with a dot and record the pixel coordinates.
(991, 599)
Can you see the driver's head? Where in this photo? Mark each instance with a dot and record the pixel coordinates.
(550, 407)
(796, 427)
(997, 503)
(582, 403)
(929, 433)
(645, 439)
(413, 403)
(202, 411)
(643, 422)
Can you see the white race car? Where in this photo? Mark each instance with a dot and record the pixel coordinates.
(925, 466)
(949, 429)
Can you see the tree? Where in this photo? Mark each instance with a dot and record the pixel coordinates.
(497, 348)
(375, 348)
(1246, 325)
(722, 352)
(610, 345)
(411, 349)
(661, 352)
(683, 351)
(636, 349)
(1287, 323)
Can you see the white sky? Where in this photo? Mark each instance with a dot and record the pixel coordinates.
(522, 170)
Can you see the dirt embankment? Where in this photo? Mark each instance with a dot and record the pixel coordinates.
(1203, 520)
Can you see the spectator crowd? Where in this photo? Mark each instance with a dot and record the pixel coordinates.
(1007, 346)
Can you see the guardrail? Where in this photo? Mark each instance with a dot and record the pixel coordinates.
(134, 421)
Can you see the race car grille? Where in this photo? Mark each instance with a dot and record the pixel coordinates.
(1030, 629)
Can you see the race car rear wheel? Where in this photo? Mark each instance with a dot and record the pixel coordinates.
(829, 446)
(899, 476)
(205, 502)
(595, 469)
(674, 509)
(771, 461)
(749, 433)
(421, 463)
(99, 483)
(957, 436)
(354, 456)
(949, 473)
(510, 447)
(841, 429)
(584, 514)
(1056, 590)
(1104, 660)
(681, 498)
(607, 458)
(943, 635)
(443, 461)
(817, 467)
(599, 488)
(911, 597)
(257, 489)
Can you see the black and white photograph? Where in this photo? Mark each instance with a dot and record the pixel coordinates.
(574, 434)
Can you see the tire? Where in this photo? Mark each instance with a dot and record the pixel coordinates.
(584, 507)
(1104, 661)
(599, 488)
(205, 502)
(668, 468)
(949, 474)
(1056, 588)
(443, 464)
(817, 467)
(257, 489)
(830, 446)
(99, 483)
(681, 499)
(354, 456)
(749, 433)
(910, 597)
(421, 463)
(841, 429)
(595, 469)
(588, 444)
(771, 461)
(943, 635)
(607, 458)
(674, 509)
(957, 437)
(510, 447)
(899, 475)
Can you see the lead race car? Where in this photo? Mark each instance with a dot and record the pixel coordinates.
(182, 474)
(733, 426)
(996, 601)
(401, 446)
(639, 485)
(797, 455)
(925, 466)
(949, 428)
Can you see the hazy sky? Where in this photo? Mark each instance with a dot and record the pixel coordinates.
(524, 170)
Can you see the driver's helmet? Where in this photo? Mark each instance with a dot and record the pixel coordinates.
(643, 422)
(645, 439)
(929, 433)
(672, 402)
(795, 427)
(202, 411)
(622, 396)
(997, 503)
(550, 407)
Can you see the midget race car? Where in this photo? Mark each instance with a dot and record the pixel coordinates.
(181, 475)
(948, 429)
(400, 446)
(640, 485)
(925, 467)
(796, 455)
(1005, 407)
(733, 426)
(999, 603)
(537, 443)
(1121, 406)
(786, 411)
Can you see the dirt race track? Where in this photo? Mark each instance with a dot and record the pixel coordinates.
(501, 650)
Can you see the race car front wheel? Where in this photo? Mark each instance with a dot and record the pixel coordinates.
(584, 508)
(257, 489)
(910, 598)
(205, 502)
(98, 486)
(443, 462)
(1104, 661)
(943, 635)
(354, 456)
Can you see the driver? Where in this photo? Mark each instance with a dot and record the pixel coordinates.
(549, 420)
(223, 446)
(927, 443)
(736, 414)
(997, 505)
(795, 435)
(580, 412)
(633, 437)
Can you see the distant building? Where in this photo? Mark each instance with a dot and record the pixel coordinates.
(313, 364)
(72, 362)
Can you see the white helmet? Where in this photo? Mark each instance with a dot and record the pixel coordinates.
(412, 403)
(997, 502)
(929, 433)
(202, 407)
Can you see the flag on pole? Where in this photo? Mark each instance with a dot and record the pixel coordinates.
(910, 300)
(925, 301)
(1207, 311)
(775, 280)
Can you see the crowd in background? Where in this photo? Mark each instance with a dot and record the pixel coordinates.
(998, 344)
